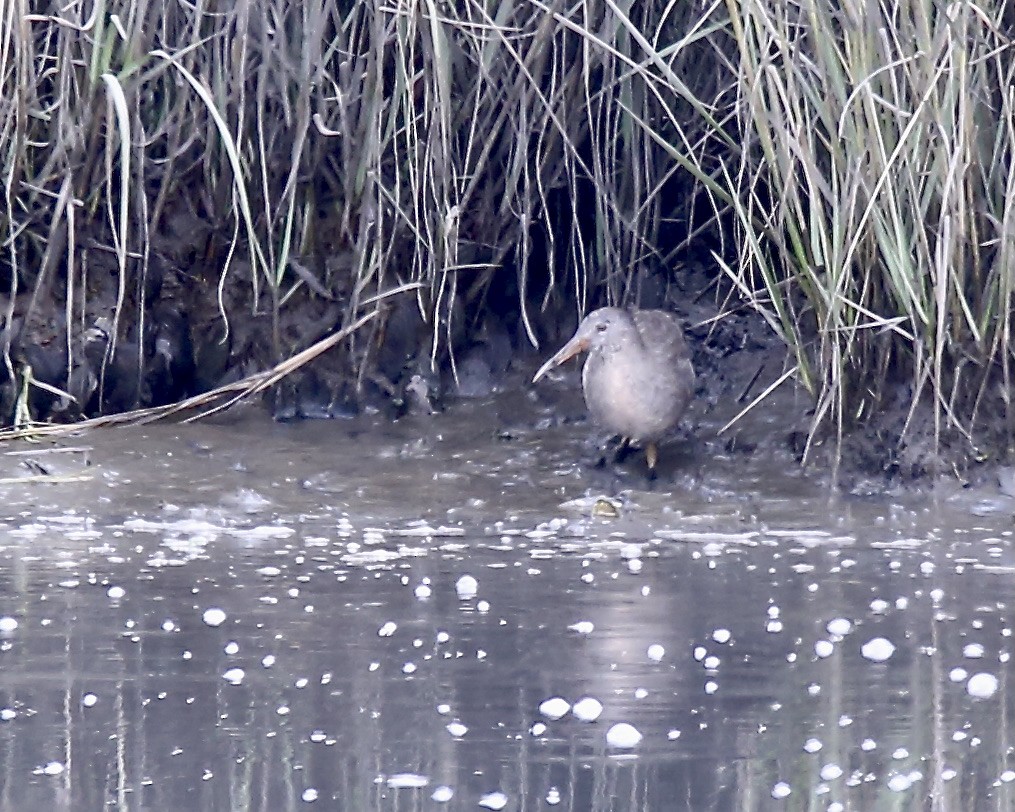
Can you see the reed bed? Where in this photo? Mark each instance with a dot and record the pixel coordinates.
(852, 162)
(874, 204)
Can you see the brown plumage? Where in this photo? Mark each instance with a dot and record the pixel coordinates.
(638, 377)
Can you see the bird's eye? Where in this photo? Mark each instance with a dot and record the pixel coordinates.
(601, 327)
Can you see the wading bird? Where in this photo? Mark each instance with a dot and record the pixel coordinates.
(638, 377)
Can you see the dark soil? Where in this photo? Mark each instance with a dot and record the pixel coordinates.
(182, 346)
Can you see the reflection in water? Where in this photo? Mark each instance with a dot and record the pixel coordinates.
(261, 618)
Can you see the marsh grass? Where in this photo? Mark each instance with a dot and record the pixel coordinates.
(852, 162)
(369, 146)
(874, 205)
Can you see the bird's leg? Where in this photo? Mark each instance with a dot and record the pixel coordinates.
(651, 457)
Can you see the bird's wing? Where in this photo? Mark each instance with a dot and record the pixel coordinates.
(662, 335)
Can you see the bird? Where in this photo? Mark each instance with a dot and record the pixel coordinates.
(638, 378)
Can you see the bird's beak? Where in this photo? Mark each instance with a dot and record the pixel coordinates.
(576, 345)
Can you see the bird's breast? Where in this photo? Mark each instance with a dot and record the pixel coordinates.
(633, 398)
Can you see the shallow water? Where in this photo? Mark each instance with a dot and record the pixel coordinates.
(725, 615)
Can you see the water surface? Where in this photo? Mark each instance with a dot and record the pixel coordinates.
(248, 615)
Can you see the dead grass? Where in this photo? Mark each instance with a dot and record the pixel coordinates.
(857, 157)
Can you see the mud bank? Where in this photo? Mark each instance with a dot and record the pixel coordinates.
(747, 403)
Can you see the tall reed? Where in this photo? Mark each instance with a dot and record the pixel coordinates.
(854, 159)
(874, 199)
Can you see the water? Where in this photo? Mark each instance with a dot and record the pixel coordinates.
(345, 665)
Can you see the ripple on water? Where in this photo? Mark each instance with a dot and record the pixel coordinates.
(421, 624)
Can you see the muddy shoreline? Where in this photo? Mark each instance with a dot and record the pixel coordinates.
(389, 368)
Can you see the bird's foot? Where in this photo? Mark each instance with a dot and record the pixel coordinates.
(622, 451)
